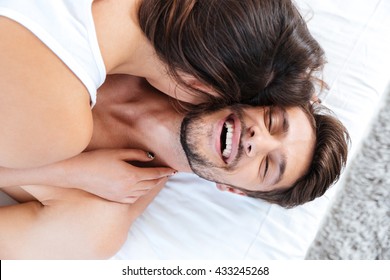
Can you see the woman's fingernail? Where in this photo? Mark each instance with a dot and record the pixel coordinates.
(173, 173)
(150, 155)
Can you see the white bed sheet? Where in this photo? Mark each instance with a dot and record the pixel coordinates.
(191, 219)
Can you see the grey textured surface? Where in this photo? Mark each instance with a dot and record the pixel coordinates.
(358, 224)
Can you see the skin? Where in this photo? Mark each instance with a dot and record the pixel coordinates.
(258, 140)
(52, 95)
(272, 147)
(42, 228)
(51, 228)
(275, 148)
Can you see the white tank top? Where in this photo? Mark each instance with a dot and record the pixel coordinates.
(67, 28)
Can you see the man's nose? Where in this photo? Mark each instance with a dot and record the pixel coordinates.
(259, 142)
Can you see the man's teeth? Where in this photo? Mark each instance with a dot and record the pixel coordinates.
(229, 136)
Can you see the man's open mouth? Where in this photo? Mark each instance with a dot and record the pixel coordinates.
(227, 138)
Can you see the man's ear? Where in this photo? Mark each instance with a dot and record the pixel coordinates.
(227, 188)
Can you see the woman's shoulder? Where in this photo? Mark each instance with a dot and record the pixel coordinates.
(44, 107)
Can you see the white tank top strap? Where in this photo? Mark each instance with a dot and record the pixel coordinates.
(67, 28)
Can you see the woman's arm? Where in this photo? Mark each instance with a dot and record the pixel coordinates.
(67, 224)
(105, 173)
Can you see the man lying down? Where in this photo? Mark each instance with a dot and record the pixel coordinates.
(286, 156)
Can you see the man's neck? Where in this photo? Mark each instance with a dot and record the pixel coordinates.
(131, 114)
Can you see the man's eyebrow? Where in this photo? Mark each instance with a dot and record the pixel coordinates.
(286, 123)
(282, 168)
(283, 161)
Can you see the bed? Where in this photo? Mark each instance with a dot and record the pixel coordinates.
(192, 219)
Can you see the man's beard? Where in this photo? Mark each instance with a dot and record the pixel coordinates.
(193, 129)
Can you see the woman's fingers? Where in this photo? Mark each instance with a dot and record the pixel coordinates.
(147, 185)
(145, 173)
(151, 173)
(135, 155)
(142, 189)
(138, 193)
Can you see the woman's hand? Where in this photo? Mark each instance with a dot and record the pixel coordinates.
(107, 173)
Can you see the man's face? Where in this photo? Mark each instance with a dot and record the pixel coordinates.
(253, 148)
